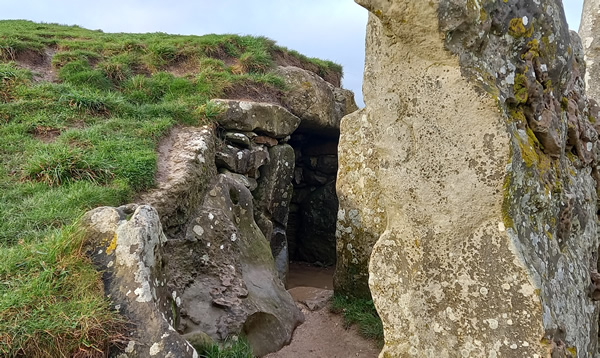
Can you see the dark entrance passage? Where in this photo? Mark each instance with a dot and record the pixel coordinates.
(313, 208)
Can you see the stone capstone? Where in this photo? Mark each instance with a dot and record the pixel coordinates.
(318, 103)
(126, 245)
(471, 171)
(270, 119)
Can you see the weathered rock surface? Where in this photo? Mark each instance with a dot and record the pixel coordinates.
(272, 202)
(129, 252)
(222, 273)
(589, 30)
(270, 119)
(184, 169)
(319, 104)
(490, 238)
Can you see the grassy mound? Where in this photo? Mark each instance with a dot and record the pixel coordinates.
(81, 113)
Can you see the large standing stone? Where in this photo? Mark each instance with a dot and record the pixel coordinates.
(589, 30)
(185, 166)
(490, 213)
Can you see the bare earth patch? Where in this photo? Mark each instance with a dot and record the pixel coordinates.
(322, 335)
(38, 63)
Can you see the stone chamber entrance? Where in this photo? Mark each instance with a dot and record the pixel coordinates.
(313, 211)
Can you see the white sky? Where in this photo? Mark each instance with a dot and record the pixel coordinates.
(327, 29)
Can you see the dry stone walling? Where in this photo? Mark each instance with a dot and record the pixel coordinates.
(472, 169)
(207, 258)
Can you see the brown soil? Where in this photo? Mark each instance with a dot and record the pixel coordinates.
(254, 92)
(322, 335)
(40, 63)
(46, 134)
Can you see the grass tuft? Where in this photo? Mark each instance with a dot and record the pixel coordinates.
(52, 302)
(232, 348)
(361, 312)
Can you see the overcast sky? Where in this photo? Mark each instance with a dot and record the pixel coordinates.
(328, 29)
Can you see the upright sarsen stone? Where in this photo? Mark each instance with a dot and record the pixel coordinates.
(476, 152)
(589, 30)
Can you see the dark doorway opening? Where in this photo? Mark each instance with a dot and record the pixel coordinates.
(313, 209)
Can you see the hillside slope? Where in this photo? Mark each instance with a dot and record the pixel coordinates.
(81, 113)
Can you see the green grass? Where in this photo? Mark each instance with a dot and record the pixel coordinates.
(238, 348)
(49, 306)
(89, 139)
(361, 312)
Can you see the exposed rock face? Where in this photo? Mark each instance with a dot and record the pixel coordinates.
(272, 201)
(183, 173)
(477, 145)
(224, 274)
(129, 252)
(589, 30)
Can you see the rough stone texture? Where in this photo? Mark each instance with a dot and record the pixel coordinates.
(490, 236)
(589, 30)
(317, 231)
(224, 274)
(318, 103)
(128, 250)
(270, 119)
(184, 169)
(272, 202)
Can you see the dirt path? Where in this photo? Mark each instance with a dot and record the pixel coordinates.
(322, 335)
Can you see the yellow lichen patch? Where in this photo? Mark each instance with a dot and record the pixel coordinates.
(528, 152)
(516, 28)
(520, 88)
(573, 351)
(506, 218)
(112, 246)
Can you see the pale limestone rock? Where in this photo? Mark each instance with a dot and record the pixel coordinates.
(589, 30)
(489, 237)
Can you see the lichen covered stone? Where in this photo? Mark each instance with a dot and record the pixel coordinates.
(477, 150)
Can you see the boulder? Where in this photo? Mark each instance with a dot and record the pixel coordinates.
(318, 103)
(487, 243)
(224, 273)
(270, 119)
(126, 245)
